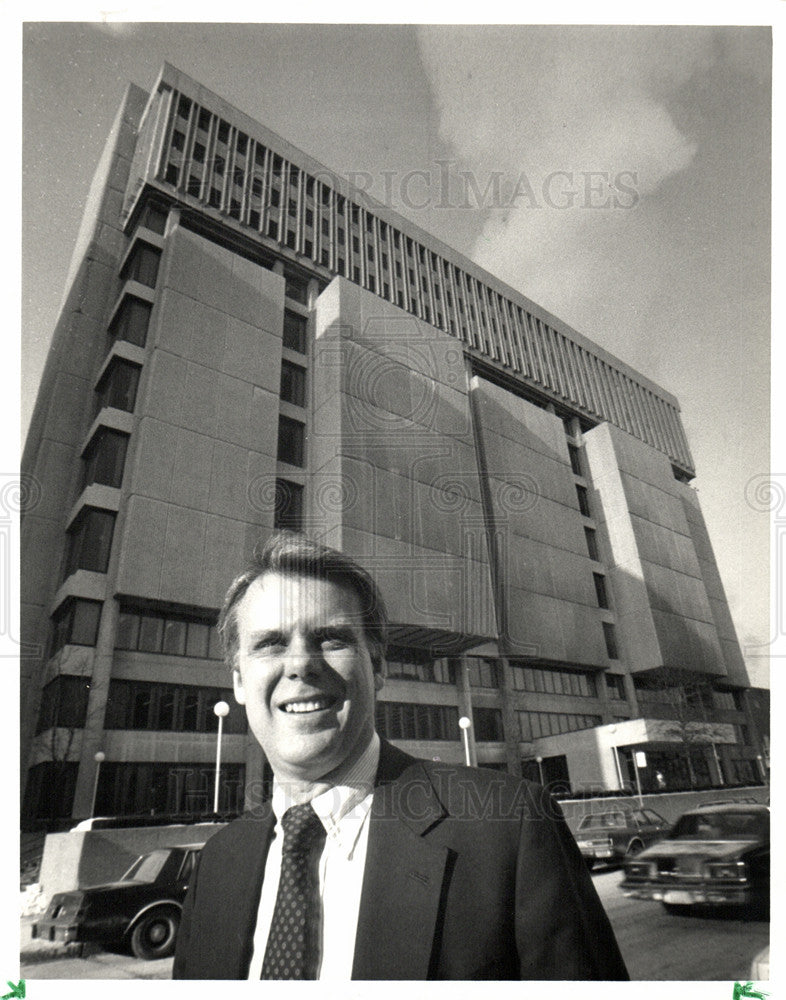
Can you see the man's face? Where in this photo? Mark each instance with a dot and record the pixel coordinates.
(304, 673)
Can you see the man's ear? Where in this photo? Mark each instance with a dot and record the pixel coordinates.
(379, 681)
(240, 692)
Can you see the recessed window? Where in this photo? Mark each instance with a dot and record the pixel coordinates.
(64, 703)
(118, 386)
(610, 636)
(104, 459)
(142, 265)
(575, 460)
(296, 288)
(288, 512)
(291, 441)
(293, 383)
(488, 725)
(398, 720)
(173, 634)
(600, 590)
(89, 541)
(131, 321)
(583, 496)
(482, 672)
(153, 217)
(295, 327)
(150, 705)
(592, 543)
(75, 623)
(616, 686)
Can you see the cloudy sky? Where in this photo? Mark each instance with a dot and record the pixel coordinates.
(618, 176)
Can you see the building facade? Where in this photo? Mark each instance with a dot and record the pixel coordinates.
(248, 343)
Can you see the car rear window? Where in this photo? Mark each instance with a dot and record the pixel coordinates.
(147, 868)
(608, 819)
(722, 826)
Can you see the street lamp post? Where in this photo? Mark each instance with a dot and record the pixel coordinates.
(464, 725)
(99, 757)
(539, 761)
(221, 709)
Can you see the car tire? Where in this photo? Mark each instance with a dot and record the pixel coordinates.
(155, 934)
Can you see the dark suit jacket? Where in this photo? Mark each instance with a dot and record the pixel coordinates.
(470, 874)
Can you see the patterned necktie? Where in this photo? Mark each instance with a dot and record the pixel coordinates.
(292, 949)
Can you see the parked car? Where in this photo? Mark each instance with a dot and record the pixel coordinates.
(713, 855)
(618, 833)
(142, 910)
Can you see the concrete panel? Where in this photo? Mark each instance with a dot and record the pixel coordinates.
(154, 463)
(191, 473)
(226, 553)
(229, 487)
(182, 555)
(142, 541)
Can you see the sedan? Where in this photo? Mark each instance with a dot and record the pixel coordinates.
(718, 855)
(619, 833)
(142, 910)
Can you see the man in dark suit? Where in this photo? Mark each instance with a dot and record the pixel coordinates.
(407, 869)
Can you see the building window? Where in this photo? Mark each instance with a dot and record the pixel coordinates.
(288, 512)
(291, 441)
(296, 288)
(118, 386)
(535, 725)
(154, 789)
(584, 507)
(743, 735)
(398, 720)
(75, 623)
(89, 541)
(104, 458)
(172, 634)
(142, 265)
(131, 321)
(488, 725)
(610, 636)
(482, 672)
(295, 331)
(149, 705)
(64, 703)
(592, 543)
(152, 216)
(293, 383)
(615, 685)
(600, 590)
(562, 682)
(575, 460)
(407, 664)
(50, 789)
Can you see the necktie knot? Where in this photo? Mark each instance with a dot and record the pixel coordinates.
(302, 827)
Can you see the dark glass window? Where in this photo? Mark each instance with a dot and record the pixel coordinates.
(64, 703)
(406, 721)
(583, 496)
(291, 441)
(409, 664)
(611, 640)
(592, 543)
(293, 383)
(288, 512)
(615, 686)
(104, 458)
(153, 217)
(482, 672)
(296, 288)
(142, 265)
(295, 331)
(172, 634)
(488, 725)
(533, 725)
(89, 541)
(149, 705)
(575, 460)
(132, 321)
(118, 386)
(75, 623)
(600, 590)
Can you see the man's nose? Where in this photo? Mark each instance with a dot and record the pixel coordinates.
(302, 658)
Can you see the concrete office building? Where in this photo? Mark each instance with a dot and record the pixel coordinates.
(247, 343)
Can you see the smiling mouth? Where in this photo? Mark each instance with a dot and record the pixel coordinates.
(307, 705)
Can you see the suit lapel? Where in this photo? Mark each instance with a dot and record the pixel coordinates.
(404, 875)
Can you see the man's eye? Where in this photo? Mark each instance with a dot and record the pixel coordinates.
(334, 642)
(268, 645)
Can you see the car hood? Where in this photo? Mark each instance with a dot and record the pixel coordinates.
(706, 848)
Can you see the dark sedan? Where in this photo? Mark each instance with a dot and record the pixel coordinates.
(142, 910)
(618, 833)
(717, 855)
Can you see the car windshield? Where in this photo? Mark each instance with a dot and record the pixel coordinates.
(147, 868)
(722, 826)
(603, 819)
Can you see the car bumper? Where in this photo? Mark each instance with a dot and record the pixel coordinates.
(47, 930)
(689, 895)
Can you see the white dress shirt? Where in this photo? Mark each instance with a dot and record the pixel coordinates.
(344, 810)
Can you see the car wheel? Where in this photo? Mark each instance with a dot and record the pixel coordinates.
(633, 848)
(154, 935)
